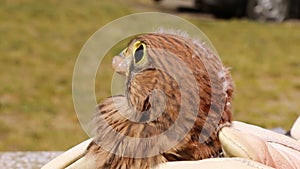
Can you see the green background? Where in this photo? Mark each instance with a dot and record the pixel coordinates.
(40, 41)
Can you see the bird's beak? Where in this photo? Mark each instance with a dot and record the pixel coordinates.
(121, 64)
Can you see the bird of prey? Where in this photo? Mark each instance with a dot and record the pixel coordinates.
(177, 96)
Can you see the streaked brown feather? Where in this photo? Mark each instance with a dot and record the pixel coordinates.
(134, 115)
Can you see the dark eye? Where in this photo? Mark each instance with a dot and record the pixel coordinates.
(139, 54)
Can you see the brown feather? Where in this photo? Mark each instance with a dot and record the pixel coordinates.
(140, 113)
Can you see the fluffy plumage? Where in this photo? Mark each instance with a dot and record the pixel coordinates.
(159, 68)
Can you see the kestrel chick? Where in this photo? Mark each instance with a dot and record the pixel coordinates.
(178, 95)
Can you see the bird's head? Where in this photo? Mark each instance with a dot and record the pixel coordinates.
(166, 73)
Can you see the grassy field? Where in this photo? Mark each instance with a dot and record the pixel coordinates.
(40, 41)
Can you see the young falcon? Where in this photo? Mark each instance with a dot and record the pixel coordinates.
(178, 95)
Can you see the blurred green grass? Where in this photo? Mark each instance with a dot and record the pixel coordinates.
(40, 41)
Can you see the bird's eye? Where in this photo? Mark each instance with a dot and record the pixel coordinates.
(139, 52)
(138, 55)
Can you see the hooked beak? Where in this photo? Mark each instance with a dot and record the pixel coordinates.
(121, 63)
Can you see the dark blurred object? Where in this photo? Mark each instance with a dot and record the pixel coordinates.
(222, 8)
(261, 10)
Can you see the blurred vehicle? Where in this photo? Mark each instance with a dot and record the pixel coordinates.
(261, 10)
